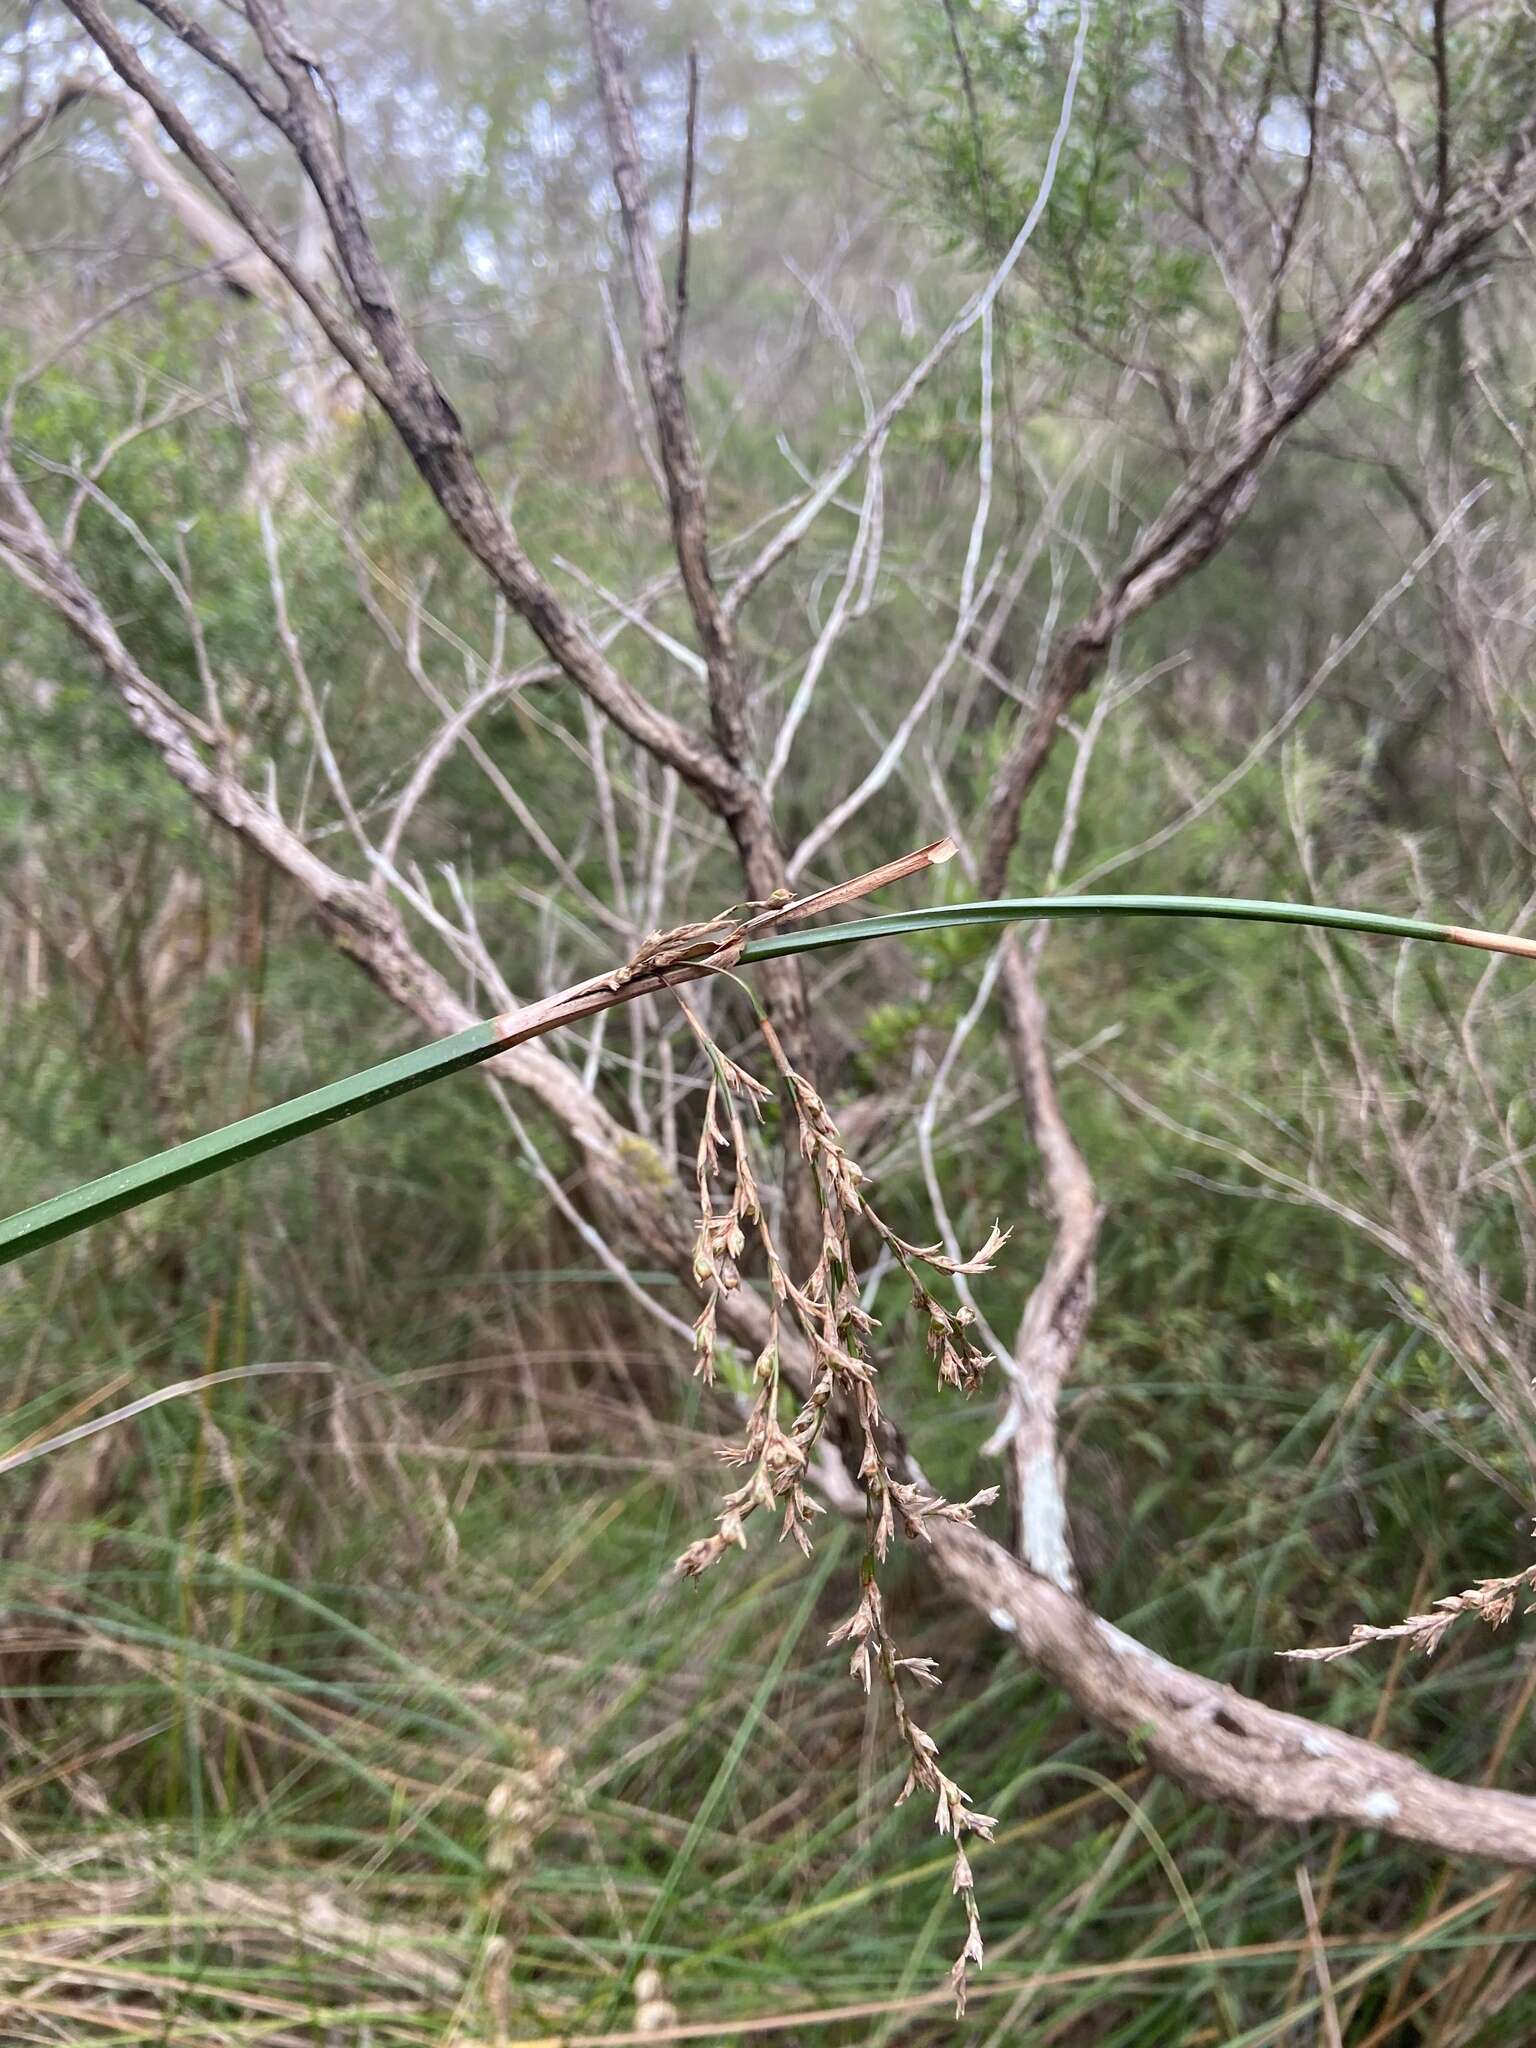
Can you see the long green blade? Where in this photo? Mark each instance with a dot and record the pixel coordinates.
(80, 1207)
(1023, 909)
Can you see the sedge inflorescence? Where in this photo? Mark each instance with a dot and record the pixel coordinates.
(825, 1311)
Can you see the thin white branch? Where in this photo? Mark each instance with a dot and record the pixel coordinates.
(837, 618)
(800, 523)
(890, 758)
(1337, 655)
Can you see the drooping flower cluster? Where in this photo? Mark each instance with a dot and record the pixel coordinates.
(827, 1311)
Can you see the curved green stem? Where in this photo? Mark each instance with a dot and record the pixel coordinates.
(80, 1207)
(1026, 909)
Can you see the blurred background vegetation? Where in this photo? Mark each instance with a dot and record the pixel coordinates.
(360, 1706)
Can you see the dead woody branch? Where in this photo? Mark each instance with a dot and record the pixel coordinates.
(1254, 1758)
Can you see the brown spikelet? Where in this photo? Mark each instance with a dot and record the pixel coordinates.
(826, 1309)
(1493, 1601)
